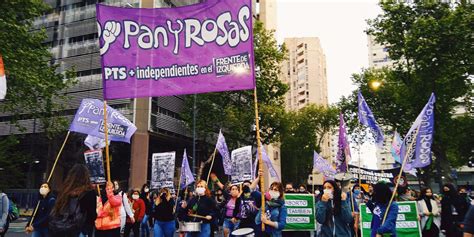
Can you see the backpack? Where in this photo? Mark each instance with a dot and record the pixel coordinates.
(13, 213)
(70, 220)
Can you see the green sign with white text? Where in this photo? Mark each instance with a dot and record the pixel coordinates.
(407, 220)
(301, 215)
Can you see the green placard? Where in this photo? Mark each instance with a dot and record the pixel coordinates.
(300, 208)
(407, 220)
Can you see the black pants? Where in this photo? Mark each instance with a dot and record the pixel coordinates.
(108, 233)
(135, 227)
(5, 228)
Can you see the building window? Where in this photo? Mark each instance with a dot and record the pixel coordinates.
(275, 155)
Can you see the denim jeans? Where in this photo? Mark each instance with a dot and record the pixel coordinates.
(205, 231)
(40, 232)
(230, 226)
(164, 229)
(144, 228)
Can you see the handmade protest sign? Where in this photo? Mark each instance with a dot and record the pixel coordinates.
(89, 119)
(301, 212)
(162, 174)
(95, 164)
(407, 220)
(205, 47)
(241, 164)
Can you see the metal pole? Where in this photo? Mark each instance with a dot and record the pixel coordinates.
(194, 136)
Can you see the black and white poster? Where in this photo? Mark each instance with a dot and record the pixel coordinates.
(162, 175)
(241, 164)
(373, 176)
(95, 164)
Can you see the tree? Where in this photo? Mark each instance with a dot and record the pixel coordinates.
(233, 112)
(303, 133)
(431, 45)
(35, 88)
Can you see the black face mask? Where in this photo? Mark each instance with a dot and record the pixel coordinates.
(463, 194)
(163, 196)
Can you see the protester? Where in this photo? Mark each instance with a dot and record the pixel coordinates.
(145, 224)
(463, 193)
(163, 214)
(275, 212)
(108, 213)
(248, 208)
(469, 223)
(202, 208)
(219, 220)
(429, 212)
(378, 205)
(125, 209)
(215, 183)
(77, 191)
(232, 211)
(370, 191)
(405, 194)
(302, 189)
(4, 213)
(289, 188)
(39, 227)
(334, 211)
(138, 207)
(453, 210)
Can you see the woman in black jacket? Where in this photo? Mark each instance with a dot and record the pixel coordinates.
(453, 210)
(163, 214)
(39, 227)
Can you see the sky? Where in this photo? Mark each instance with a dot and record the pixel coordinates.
(340, 26)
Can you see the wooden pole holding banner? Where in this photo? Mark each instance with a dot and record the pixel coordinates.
(400, 174)
(106, 132)
(177, 192)
(212, 164)
(259, 151)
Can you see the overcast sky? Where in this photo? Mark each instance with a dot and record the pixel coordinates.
(340, 26)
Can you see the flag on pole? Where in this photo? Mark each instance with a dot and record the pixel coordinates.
(221, 146)
(367, 119)
(396, 146)
(3, 80)
(343, 153)
(266, 160)
(322, 165)
(420, 138)
(186, 175)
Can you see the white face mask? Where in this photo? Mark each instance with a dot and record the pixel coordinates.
(135, 196)
(274, 194)
(200, 191)
(44, 191)
(329, 192)
(146, 190)
(317, 192)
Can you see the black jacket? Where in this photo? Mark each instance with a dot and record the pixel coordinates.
(202, 206)
(45, 207)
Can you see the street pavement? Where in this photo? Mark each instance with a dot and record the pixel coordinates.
(17, 228)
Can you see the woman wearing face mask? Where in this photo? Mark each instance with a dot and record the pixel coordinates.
(145, 224)
(202, 205)
(275, 214)
(334, 211)
(232, 210)
(429, 212)
(108, 213)
(138, 209)
(453, 210)
(39, 227)
(163, 214)
(125, 209)
(249, 207)
(377, 205)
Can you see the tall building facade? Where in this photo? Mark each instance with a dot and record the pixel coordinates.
(305, 74)
(378, 54)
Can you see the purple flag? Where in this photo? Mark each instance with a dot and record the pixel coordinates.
(420, 138)
(322, 165)
(367, 119)
(94, 143)
(89, 120)
(205, 47)
(221, 146)
(343, 152)
(266, 160)
(396, 146)
(186, 175)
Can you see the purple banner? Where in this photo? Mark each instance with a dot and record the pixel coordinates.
(343, 152)
(206, 47)
(89, 119)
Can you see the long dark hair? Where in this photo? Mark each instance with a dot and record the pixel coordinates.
(76, 183)
(382, 193)
(452, 191)
(336, 196)
(423, 194)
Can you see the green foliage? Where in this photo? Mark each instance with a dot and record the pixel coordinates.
(12, 163)
(233, 112)
(431, 44)
(303, 133)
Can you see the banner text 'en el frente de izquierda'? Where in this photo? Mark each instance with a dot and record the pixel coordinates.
(206, 47)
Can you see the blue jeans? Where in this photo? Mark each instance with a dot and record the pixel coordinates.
(205, 231)
(40, 232)
(230, 226)
(164, 229)
(144, 228)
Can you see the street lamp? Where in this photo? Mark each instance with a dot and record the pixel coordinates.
(375, 84)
